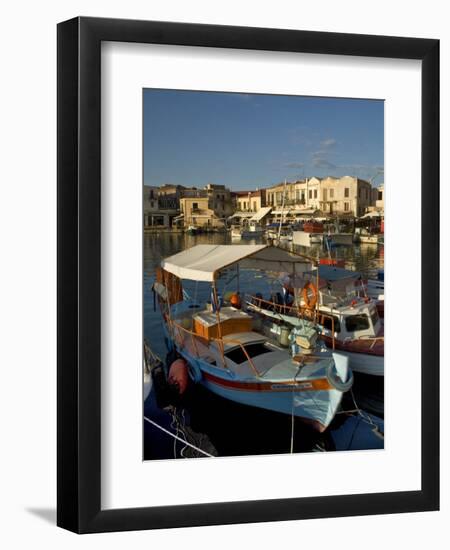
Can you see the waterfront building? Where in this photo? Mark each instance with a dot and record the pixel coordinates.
(379, 197)
(347, 195)
(196, 211)
(250, 201)
(157, 211)
(219, 200)
(208, 207)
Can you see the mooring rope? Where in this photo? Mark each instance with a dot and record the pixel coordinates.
(176, 437)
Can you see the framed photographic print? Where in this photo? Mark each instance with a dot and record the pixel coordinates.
(241, 335)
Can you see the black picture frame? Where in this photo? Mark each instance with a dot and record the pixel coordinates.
(79, 276)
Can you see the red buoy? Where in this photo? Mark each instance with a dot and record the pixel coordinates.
(178, 375)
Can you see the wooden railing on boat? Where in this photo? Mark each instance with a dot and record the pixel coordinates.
(195, 336)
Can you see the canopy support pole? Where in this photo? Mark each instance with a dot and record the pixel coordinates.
(219, 327)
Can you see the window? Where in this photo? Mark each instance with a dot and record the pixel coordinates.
(310, 194)
(380, 195)
(346, 206)
(374, 316)
(326, 322)
(346, 192)
(331, 193)
(315, 193)
(359, 193)
(195, 206)
(238, 355)
(357, 322)
(254, 206)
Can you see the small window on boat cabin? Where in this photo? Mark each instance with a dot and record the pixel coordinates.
(327, 323)
(238, 356)
(374, 316)
(357, 322)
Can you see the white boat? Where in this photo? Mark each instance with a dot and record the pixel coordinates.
(277, 235)
(227, 351)
(349, 322)
(252, 230)
(236, 232)
(303, 238)
(375, 290)
(150, 361)
(365, 237)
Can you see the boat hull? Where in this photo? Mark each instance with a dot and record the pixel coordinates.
(366, 363)
(316, 408)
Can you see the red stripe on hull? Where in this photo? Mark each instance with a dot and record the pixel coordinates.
(302, 385)
(356, 346)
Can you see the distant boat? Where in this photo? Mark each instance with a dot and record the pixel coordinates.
(283, 234)
(365, 237)
(193, 230)
(228, 352)
(307, 239)
(250, 231)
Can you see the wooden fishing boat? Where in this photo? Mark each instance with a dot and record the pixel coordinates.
(226, 350)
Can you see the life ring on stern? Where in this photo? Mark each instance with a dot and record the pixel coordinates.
(310, 301)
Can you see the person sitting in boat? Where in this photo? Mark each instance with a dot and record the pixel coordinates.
(287, 292)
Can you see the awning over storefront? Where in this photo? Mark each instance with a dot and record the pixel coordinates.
(307, 212)
(281, 212)
(241, 215)
(261, 213)
(374, 214)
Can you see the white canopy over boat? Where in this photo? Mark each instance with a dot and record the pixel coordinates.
(203, 261)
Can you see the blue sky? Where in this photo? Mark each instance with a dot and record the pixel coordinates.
(247, 141)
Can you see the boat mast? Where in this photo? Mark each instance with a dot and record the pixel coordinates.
(282, 211)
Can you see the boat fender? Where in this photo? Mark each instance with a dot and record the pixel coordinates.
(235, 300)
(335, 380)
(178, 375)
(194, 372)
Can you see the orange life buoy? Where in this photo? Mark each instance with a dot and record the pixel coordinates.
(310, 301)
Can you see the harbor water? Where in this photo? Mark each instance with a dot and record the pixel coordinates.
(224, 428)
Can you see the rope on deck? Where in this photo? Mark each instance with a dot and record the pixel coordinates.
(178, 438)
